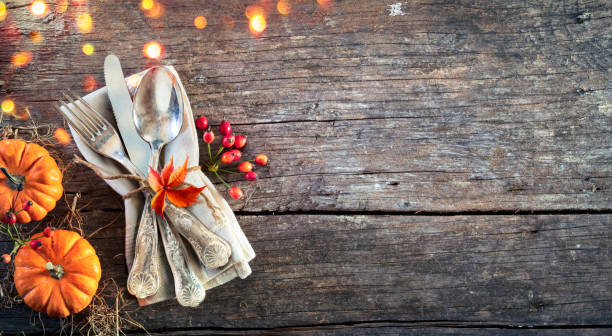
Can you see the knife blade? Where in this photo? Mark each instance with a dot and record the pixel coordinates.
(119, 95)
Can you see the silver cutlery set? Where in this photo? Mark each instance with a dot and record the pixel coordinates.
(197, 257)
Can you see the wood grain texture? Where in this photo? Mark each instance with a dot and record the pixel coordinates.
(331, 270)
(396, 329)
(453, 108)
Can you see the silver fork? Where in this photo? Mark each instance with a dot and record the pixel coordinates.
(95, 130)
(100, 135)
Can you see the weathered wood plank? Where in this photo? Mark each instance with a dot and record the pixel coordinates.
(396, 329)
(311, 270)
(452, 106)
(449, 106)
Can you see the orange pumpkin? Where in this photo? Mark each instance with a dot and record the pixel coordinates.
(61, 277)
(28, 166)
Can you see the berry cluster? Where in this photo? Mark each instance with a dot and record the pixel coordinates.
(229, 152)
(9, 228)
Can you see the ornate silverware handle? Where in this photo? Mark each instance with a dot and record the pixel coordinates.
(212, 250)
(143, 280)
(189, 290)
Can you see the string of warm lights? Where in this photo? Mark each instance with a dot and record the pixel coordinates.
(257, 15)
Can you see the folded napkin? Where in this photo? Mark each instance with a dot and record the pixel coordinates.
(210, 208)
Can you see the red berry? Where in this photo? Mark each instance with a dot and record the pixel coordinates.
(240, 141)
(236, 193)
(202, 123)
(27, 205)
(10, 218)
(251, 176)
(6, 258)
(261, 159)
(225, 128)
(227, 157)
(245, 166)
(47, 231)
(228, 141)
(237, 154)
(35, 244)
(209, 136)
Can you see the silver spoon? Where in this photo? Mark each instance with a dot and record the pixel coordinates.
(158, 117)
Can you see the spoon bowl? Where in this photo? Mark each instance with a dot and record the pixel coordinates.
(158, 109)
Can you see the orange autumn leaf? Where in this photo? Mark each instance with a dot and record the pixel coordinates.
(184, 197)
(171, 178)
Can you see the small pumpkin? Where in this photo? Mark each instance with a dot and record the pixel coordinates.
(28, 166)
(60, 277)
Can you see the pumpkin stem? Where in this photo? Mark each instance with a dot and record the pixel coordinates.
(13, 181)
(56, 271)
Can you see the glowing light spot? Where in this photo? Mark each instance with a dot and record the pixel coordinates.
(253, 11)
(62, 136)
(147, 4)
(257, 24)
(36, 37)
(61, 6)
(228, 22)
(152, 50)
(21, 58)
(133, 81)
(88, 49)
(38, 8)
(156, 11)
(324, 2)
(8, 106)
(84, 23)
(89, 83)
(2, 11)
(23, 115)
(283, 7)
(199, 22)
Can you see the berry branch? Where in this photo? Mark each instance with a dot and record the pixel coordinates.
(228, 154)
(8, 228)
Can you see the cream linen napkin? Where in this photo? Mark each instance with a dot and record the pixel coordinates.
(210, 208)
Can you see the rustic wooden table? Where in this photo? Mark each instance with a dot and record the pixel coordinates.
(438, 167)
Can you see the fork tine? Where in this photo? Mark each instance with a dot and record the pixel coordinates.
(83, 132)
(93, 113)
(77, 114)
(82, 114)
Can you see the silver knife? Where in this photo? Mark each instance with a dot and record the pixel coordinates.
(119, 95)
(144, 278)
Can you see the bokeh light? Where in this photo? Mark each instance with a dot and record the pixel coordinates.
(254, 10)
(89, 83)
(156, 11)
(62, 136)
(257, 24)
(23, 114)
(61, 6)
(133, 81)
(8, 106)
(147, 4)
(21, 58)
(152, 50)
(324, 2)
(228, 22)
(36, 37)
(2, 11)
(88, 49)
(283, 7)
(84, 23)
(38, 8)
(199, 22)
